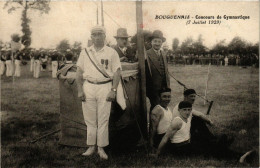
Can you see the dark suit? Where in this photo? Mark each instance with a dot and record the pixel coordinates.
(129, 53)
(157, 79)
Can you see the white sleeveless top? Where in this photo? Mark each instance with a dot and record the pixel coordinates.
(165, 121)
(182, 134)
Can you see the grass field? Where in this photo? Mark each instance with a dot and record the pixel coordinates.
(30, 108)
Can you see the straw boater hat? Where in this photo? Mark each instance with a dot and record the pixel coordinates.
(157, 34)
(122, 33)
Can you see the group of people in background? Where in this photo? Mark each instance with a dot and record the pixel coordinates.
(40, 60)
(251, 59)
(11, 62)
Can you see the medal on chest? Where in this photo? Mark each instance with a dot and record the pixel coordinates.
(104, 62)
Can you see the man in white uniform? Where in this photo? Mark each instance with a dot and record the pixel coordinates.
(54, 63)
(17, 62)
(97, 86)
(226, 61)
(32, 60)
(37, 65)
(9, 63)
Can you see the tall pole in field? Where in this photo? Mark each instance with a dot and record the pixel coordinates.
(97, 14)
(102, 13)
(141, 59)
(207, 81)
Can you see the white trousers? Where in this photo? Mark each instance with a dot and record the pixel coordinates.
(96, 112)
(17, 71)
(9, 68)
(31, 65)
(37, 68)
(54, 66)
(2, 67)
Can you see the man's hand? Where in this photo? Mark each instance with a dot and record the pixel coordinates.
(111, 96)
(82, 96)
(123, 59)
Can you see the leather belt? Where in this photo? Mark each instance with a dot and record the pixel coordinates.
(98, 83)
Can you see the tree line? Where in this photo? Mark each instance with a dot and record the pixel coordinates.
(237, 46)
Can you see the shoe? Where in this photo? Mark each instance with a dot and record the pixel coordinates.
(248, 156)
(102, 153)
(89, 151)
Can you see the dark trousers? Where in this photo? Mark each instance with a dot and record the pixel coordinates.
(158, 139)
(204, 142)
(200, 132)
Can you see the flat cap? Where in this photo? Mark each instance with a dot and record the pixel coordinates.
(98, 29)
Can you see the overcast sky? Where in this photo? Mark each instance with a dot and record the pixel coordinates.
(72, 20)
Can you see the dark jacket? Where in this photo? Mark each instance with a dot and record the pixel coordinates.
(129, 53)
(155, 79)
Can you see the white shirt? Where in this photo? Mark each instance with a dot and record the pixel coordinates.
(165, 120)
(182, 134)
(106, 53)
(123, 49)
(158, 52)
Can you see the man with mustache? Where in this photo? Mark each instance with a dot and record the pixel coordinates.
(124, 51)
(157, 76)
(97, 88)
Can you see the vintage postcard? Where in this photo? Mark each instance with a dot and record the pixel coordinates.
(129, 83)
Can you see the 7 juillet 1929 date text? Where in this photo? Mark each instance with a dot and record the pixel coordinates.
(197, 19)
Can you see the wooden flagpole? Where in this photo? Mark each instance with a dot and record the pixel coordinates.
(102, 13)
(97, 14)
(141, 60)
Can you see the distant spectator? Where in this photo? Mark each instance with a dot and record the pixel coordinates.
(237, 60)
(18, 56)
(68, 56)
(2, 63)
(36, 65)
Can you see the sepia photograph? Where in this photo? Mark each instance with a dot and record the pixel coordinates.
(129, 83)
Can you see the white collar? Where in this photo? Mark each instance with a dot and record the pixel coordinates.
(91, 48)
(157, 51)
(122, 49)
